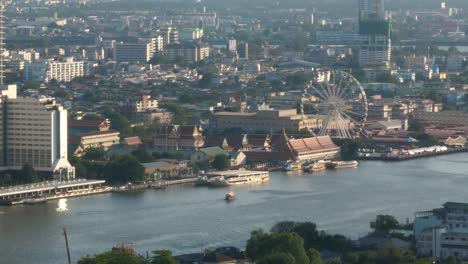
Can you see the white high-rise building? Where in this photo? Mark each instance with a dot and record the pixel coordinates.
(34, 132)
(64, 70)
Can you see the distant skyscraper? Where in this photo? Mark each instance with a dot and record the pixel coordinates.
(374, 31)
(2, 42)
(371, 9)
(243, 50)
(232, 45)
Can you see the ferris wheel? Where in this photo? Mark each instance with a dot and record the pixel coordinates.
(341, 101)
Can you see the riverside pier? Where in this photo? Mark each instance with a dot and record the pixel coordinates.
(50, 190)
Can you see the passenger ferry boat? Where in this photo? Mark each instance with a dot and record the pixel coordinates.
(343, 164)
(236, 177)
(316, 167)
(293, 166)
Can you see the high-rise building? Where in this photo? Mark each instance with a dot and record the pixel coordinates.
(243, 50)
(64, 70)
(169, 34)
(374, 31)
(135, 53)
(34, 132)
(232, 45)
(188, 51)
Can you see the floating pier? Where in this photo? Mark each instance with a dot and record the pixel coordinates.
(51, 190)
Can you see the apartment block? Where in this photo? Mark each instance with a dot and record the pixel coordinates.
(134, 53)
(63, 70)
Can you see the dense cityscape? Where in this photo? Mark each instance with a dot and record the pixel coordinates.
(216, 131)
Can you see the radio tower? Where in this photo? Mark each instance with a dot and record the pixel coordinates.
(2, 42)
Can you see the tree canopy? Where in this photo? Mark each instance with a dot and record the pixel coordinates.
(123, 169)
(265, 247)
(221, 162)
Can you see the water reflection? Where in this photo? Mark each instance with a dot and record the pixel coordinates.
(62, 205)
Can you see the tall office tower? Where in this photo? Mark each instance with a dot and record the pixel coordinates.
(243, 50)
(2, 42)
(374, 31)
(34, 132)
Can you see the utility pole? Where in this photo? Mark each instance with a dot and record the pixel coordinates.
(66, 244)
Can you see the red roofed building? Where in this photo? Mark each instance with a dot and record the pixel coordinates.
(132, 142)
(174, 137)
(284, 148)
(314, 148)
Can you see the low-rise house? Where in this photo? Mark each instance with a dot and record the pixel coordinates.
(238, 159)
(388, 125)
(204, 155)
(99, 139)
(132, 142)
(76, 127)
(458, 142)
(165, 169)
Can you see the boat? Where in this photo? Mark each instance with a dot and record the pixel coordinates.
(239, 177)
(129, 188)
(37, 200)
(202, 181)
(343, 164)
(316, 167)
(293, 166)
(230, 196)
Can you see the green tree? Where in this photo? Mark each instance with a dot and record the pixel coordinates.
(262, 245)
(350, 258)
(349, 148)
(142, 155)
(278, 258)
(113, 258)
(425, 140)
(416, 126)
(163, 257)
(95, 154)
(28, 174)
(285, 226)
(32, 85)
(123, 169)
(384, 223)
(119, 122)
(221, 162)
(314, 256)
(186, 98)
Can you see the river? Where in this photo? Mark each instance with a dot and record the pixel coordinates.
(187, 219)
